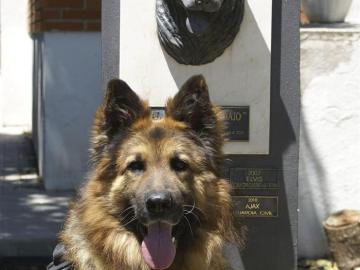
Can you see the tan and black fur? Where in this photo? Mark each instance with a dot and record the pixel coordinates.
(133, 154)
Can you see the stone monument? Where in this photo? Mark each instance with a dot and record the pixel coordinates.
(255, 67)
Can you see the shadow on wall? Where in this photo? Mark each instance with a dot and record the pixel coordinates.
(312, 186)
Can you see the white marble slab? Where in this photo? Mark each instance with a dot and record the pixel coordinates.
(241, 76)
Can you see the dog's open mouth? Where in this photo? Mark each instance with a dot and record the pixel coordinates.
(158, 246)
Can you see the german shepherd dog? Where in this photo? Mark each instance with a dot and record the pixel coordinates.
(155, 198)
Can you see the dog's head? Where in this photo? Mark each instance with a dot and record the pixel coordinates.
(160, 178)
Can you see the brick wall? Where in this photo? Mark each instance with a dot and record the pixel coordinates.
(64, 15)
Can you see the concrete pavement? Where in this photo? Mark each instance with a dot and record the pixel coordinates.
(30, 217)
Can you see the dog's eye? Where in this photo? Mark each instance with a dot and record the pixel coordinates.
(178, 165)
(136, 166)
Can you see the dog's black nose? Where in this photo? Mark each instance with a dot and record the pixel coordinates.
(159, 203)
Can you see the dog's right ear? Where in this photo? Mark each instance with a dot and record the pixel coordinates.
(120, 109)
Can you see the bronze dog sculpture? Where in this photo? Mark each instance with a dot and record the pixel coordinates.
(195, 32)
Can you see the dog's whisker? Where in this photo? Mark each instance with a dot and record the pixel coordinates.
(127, 215)
(127, 209)
(192, 207)
(132, 220)
(188, 222)
(124, 220)
(196, 217)
(197, 209)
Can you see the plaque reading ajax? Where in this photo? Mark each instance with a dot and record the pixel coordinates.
(255, 206)
(237, 122)
(157, 113)
(254, 178)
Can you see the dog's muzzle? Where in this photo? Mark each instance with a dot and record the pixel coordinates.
(202, 5)
(161, 206)
(161, 215)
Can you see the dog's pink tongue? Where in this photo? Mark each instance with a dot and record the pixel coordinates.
(157, 248)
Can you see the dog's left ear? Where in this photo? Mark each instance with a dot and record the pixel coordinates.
(192, 106)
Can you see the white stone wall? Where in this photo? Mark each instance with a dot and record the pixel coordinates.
(69, 94)
(140, 49)
(354, 13)
(330, 131)
(16, 65)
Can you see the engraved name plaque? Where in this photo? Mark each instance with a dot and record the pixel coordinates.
(237, 122)
(256, 206)
(254, 178)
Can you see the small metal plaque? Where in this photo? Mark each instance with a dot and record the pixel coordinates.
(256, 206)
(254, 178)
(157, 113)
(237, 122)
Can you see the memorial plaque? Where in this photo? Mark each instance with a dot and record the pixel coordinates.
(254, 178)
(237, 122)
(256, 206)
(157, 112)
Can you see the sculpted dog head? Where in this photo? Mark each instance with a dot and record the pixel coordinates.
(195, 32)
(156, 197)
(202, 5)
